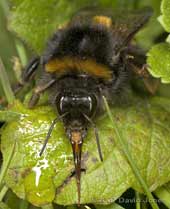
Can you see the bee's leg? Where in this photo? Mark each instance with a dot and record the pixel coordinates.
(27, 74)
(141, 72)
(73, 173)
(150, 83)
(37, 92)
(136, 55)
(96, 136)
(136, 58)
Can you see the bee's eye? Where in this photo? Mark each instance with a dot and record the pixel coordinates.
(77, 103)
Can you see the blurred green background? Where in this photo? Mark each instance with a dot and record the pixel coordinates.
(11, 46)
(7, 43)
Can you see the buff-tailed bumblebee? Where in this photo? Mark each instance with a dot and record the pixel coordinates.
(90, 57)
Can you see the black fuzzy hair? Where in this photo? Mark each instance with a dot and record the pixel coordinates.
(83, 41)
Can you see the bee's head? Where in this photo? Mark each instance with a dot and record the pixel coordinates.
(76, 97)
(76, 104)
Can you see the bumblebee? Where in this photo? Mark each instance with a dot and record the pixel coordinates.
(90, 57)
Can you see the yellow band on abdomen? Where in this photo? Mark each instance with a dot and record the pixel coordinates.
(89, 66)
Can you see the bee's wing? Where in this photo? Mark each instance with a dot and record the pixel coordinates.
(125, 23)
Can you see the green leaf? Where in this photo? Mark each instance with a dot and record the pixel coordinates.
(12, 200)
(164, 19)
(9, 115)
(111, 206)
(3, 206)
(163, 193)
(23, 204)
(46, 179)
(36, 21)
(48, 206)
(125, 149)
(168, 39)
(159, 62)
(146, 37)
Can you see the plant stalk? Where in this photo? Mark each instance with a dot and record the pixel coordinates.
(138, 200)
(6, 164)
(3, 192)
(129, 157)
(49, 206)
(6, 84)
(163, 194)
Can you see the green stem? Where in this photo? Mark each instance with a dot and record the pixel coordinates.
(3, 192)
(49, 206)
(164, 195)
(21, 52)
(144, 201)
(135, 4)
(6, 164)
(138, 200)
(74, 207)
(5, 7)
(129, 157)
(19, 45)
(23, 204)
(87, 207)
(6, 84)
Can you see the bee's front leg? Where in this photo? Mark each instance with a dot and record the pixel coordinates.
(27, 74)
(37, 92)
(150, 82)
(136, 61)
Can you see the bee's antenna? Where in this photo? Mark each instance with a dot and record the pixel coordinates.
(50, 131)
(96, 136)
